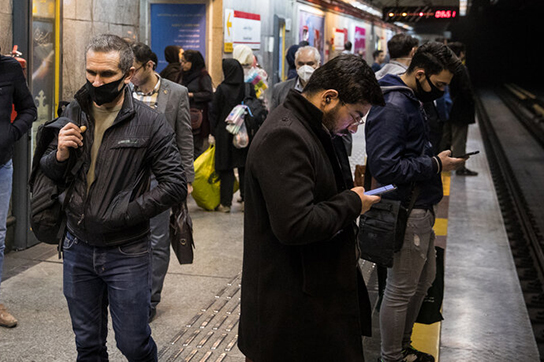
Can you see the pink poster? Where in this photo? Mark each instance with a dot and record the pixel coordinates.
(360, 41)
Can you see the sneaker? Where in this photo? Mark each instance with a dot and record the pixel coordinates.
(222, 208)
(6, 319)
(413, 355)
(466, 172)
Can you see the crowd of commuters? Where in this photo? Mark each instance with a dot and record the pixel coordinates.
(137, 133)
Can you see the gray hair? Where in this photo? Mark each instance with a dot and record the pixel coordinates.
(105, 43)
(317, 56)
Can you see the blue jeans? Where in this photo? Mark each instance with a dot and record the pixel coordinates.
(95, 277)
(412, 274)
(6, 179)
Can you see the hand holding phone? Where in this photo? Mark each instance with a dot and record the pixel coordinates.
(466, 155)
(381, 190)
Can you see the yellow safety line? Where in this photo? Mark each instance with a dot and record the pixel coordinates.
(426, 337)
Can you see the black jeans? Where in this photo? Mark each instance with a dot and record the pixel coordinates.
(227, 185)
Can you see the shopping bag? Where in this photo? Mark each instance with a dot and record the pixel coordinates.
(206, 184)
(430, 311)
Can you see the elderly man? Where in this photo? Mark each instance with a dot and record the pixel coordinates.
(107, 256)
(307, 60)
(303, 298)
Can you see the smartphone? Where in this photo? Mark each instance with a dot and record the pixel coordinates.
(469, 154)
(381, 190)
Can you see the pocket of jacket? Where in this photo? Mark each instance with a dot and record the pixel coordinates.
(130, 142)
(115, 215)
(6, 88)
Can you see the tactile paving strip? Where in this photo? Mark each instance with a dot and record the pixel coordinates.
(213, 331)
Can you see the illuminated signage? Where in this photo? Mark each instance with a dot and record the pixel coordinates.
(420, 13)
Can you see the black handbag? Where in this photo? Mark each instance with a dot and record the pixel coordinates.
(181, 233)
(382, 228)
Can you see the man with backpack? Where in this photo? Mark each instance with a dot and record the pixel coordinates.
(13, 91)
(107, 258)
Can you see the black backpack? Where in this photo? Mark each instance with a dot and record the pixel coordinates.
(257, 113)
(47, 217)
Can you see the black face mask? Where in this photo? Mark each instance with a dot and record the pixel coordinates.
(106, 93)
(430, 96)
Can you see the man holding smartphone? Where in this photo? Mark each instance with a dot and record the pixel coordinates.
(300, 282)
(399, 152)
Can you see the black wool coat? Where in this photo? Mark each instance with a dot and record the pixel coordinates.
(200, 84)
(228, 95)
(303, 298)
(463, 108)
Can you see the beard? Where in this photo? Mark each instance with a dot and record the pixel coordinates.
(330, 120)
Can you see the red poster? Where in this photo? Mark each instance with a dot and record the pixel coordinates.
(360, 41)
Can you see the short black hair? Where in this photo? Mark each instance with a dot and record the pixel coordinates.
(434, 57)
(142, 53)
(457, 48)
(376, 53)
(347, 46)
(400, 45)
(351, 77)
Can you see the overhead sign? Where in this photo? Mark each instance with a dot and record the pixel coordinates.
(420, 13)
(228, 31)
(241, 28)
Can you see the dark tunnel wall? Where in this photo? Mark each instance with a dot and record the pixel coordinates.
(504, 41)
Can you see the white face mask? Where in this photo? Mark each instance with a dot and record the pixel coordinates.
(305, 72)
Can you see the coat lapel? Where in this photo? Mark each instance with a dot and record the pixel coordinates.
(163, 97)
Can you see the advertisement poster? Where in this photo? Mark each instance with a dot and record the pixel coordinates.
(177, 24)
(312, 29)
(360, 41)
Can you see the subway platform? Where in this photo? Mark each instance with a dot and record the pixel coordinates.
(485, 318)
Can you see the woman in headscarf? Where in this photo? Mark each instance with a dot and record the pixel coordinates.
(290, 58)
(195, 77)
(172, 54)
(228, 95)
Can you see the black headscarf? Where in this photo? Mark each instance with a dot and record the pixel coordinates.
(172, 70)
(171, 53)
(198, 66)
(290, 58)
(233, 72)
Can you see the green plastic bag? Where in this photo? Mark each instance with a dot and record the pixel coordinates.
(206, 186)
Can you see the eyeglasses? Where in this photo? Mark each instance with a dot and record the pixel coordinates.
(357, 120)
(137, 69)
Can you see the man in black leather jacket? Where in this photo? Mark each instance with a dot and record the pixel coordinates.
(120, 141)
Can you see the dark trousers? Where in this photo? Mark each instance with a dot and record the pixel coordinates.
(227, 185)
(160, 246)
(116, 276)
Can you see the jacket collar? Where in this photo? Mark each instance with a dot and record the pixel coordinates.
(310, 116)
(127, 110)
(303, 110)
